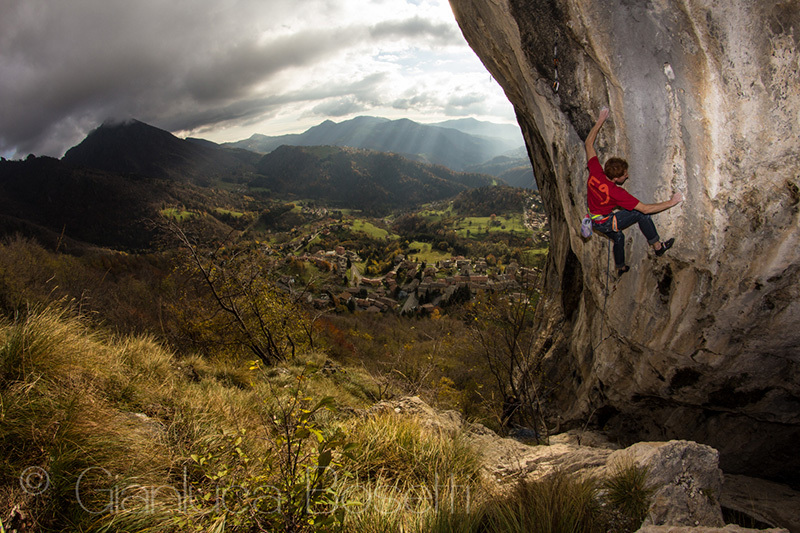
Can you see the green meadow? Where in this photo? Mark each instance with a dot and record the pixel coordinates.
(177, 214)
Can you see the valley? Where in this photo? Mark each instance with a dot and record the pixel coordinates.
(385, 274)
(409, 262)
(150, 234)
(231, 314)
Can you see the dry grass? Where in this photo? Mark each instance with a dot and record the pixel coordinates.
(410, 477)
(62, 388)
(402, 452)
(111, 423)
(101, 413)
(116, 427)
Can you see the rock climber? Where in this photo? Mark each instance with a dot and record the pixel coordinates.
(605, 194)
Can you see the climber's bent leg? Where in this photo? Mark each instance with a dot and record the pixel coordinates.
(619, 241)
(626, 219)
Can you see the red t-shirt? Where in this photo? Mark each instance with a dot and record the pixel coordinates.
(603, 195)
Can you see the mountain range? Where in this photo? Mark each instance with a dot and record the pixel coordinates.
(123, 174)
(460, 145)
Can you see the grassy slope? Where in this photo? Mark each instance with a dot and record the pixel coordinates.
(114, 433)
(124, 411)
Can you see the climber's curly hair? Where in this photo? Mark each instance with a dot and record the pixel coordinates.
(615, 167)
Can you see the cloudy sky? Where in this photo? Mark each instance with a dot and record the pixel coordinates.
(225, 69)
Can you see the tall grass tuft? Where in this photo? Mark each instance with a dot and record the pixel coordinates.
(408, 477)
(557, 504)
(57, 420)
(628, 493)
(401, 450)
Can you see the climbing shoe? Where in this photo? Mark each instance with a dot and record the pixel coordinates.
(666, 245)
(622, 270)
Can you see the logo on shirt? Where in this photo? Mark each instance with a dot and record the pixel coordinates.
(597, 187)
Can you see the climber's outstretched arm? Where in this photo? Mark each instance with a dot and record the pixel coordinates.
(650, 209)
(590, 153)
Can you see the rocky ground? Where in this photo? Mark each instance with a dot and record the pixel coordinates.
(691, 488)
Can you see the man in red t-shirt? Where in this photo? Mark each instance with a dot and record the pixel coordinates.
(604, 195)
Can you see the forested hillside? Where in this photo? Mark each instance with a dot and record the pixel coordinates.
(359, 179)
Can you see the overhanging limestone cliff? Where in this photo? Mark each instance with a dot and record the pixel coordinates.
(703, 343)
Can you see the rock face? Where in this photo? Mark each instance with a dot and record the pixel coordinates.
(731, 528)
(764, 502)
(703, 343)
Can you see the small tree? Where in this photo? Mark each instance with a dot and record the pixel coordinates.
(289, 486)
(305, 462)
(502, 326)
(246, 305)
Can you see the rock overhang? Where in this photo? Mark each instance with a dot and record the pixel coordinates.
(703, 343)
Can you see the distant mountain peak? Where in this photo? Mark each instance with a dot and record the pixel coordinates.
(117, 122)
(134, 147)
(366, 118)
(128, 130)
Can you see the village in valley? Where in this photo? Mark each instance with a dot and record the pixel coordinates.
(408, 285)
(411, 287)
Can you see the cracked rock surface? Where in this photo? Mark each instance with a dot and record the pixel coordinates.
(686, 478)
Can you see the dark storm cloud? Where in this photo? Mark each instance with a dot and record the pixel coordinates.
(66, 66)
(256, 108)
(63, 64)
(233, 71)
